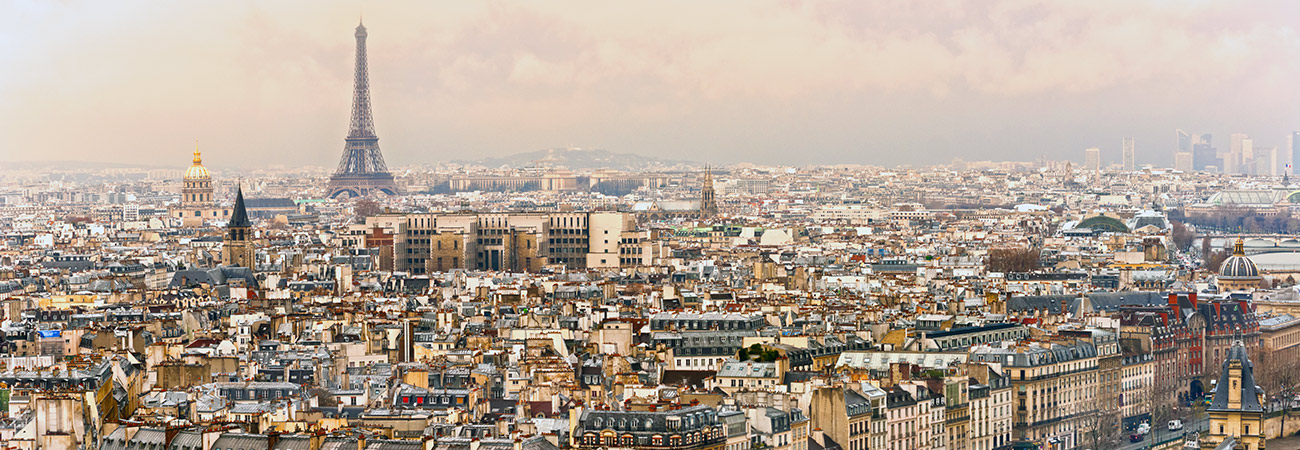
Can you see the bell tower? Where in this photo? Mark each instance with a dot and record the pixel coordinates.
(237, 245)
(708, 201)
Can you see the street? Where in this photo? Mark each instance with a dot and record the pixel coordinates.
(1159, 433)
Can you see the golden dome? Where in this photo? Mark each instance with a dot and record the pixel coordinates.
(197, 171)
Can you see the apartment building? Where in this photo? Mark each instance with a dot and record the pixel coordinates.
(516, 242)
(990, 408)
(1056, 389)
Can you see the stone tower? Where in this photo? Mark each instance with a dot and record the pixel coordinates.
(237, 246)
(708, 202)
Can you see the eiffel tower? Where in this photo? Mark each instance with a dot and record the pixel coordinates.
(362, 170)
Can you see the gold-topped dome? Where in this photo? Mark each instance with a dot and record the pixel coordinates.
(197, 171)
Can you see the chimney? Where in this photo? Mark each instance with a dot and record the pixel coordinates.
(168, 434)
(361, 441)
(819, 437)
(1192, 296)
(272, 439)
(131, 429)
(315, 440)
(1173, 299)
(1064, 307)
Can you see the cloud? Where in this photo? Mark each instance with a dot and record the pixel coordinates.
(741, 79)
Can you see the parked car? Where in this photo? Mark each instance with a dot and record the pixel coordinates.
(1136, 437)
(1175, 425)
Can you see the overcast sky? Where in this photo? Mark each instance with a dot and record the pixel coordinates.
(772, 82)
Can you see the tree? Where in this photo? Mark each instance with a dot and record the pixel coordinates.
(1103, 429)
(742, 355)
(1182, 235)
(1013, 259)
(1215, 259)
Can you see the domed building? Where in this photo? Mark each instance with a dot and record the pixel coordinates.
(197, 203)
(1238, 272)
(197, 190)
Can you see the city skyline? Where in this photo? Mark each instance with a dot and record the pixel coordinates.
(773, 83)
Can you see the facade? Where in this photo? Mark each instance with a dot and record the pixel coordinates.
(1279, 355)
(779, 430)
(513, 242)
(1174, 335)
(963, 338)
(847, 417)
(1056, 390)
(990, 408)
(695, 427)
(1136, 383)
(907, 420)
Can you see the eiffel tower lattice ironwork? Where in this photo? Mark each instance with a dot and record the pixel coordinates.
(362, 170)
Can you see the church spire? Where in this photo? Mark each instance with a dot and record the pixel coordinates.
(708, 199)
(239, 216)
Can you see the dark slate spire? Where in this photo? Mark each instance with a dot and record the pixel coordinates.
(239, 217)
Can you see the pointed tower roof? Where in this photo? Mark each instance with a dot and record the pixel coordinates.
(1250, 393)
(239, 217)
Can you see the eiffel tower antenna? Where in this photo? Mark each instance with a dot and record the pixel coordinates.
(361, 170)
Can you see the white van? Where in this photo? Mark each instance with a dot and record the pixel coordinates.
(1175, 425)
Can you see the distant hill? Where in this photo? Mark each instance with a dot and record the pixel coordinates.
(578, 158)
(76, 165)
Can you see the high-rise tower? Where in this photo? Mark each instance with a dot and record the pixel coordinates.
(362, 169)
(1092, 159)
(1128, 157)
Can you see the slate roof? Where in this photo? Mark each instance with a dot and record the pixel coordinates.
(239, 217)
(1250, 393)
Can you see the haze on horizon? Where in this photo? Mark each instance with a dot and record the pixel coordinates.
(768, 82)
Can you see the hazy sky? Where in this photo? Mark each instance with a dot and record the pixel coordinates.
(787, 82)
